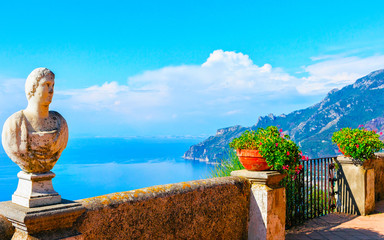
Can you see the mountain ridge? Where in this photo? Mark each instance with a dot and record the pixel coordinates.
(359, 103)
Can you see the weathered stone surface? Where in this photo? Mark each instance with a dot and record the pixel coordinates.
(6, 229)
(47, 222)
(355, 186)
(206, 209)
(379, 176)
(267, 205)
(269, 178)
(35, 137)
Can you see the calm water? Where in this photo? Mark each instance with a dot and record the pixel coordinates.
(96, 166)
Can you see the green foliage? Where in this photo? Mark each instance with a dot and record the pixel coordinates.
(278, 150)
(358, 143)
(224, 169)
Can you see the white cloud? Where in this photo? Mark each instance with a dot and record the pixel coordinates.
(227, 89)
(225, 85)
(337, 72)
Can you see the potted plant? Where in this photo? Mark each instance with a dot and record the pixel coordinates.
(358, 143)
(266, 149)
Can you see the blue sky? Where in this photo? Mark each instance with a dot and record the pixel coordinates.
(158, 68)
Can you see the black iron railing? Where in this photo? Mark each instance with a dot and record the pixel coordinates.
(310, 194)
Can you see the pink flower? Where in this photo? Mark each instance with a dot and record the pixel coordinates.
(260, 143)
(381, 133)
(307, 158)
(277, 144)
(339, 150)
(357, 145)
(374, 131)
(281, 130)
(287, 153)
(286, 167)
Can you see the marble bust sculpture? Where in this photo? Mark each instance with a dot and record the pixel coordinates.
(35, 137)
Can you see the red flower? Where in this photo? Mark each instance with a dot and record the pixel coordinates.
(307, 158)
(357, 145)
(260, 143)
(300, 166)
(303, 158)
(287, 153)
(277, 144)
(281, 130)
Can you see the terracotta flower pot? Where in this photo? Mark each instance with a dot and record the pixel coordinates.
(252, 160)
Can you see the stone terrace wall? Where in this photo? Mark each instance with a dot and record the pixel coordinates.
(6, 229)
(216, 208)
(205, 209)
(379, 176)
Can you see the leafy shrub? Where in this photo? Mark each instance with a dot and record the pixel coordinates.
(358, 143)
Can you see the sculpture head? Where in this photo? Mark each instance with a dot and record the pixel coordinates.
(39, 86)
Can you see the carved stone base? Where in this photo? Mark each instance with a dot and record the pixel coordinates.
(35, 189)
(46, 222)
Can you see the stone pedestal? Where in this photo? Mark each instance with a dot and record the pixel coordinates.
(35, 189)
(45, 222)
(355, 186)
(267, 204)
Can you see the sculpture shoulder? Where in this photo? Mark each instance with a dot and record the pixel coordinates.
(13, 128)
(14, 120)
(58, 116)
(62, 123)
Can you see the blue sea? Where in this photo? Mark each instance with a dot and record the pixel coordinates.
(91, 167)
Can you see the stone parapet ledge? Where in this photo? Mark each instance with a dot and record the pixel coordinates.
(215, 208)
(45, 222)
(270, 178)
(267, 204)
(355, 186)
(367, 164)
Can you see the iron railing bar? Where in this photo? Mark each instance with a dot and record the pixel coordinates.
(311, 193)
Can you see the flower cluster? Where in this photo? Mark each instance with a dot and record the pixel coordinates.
(359, 143)
(278, 150)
